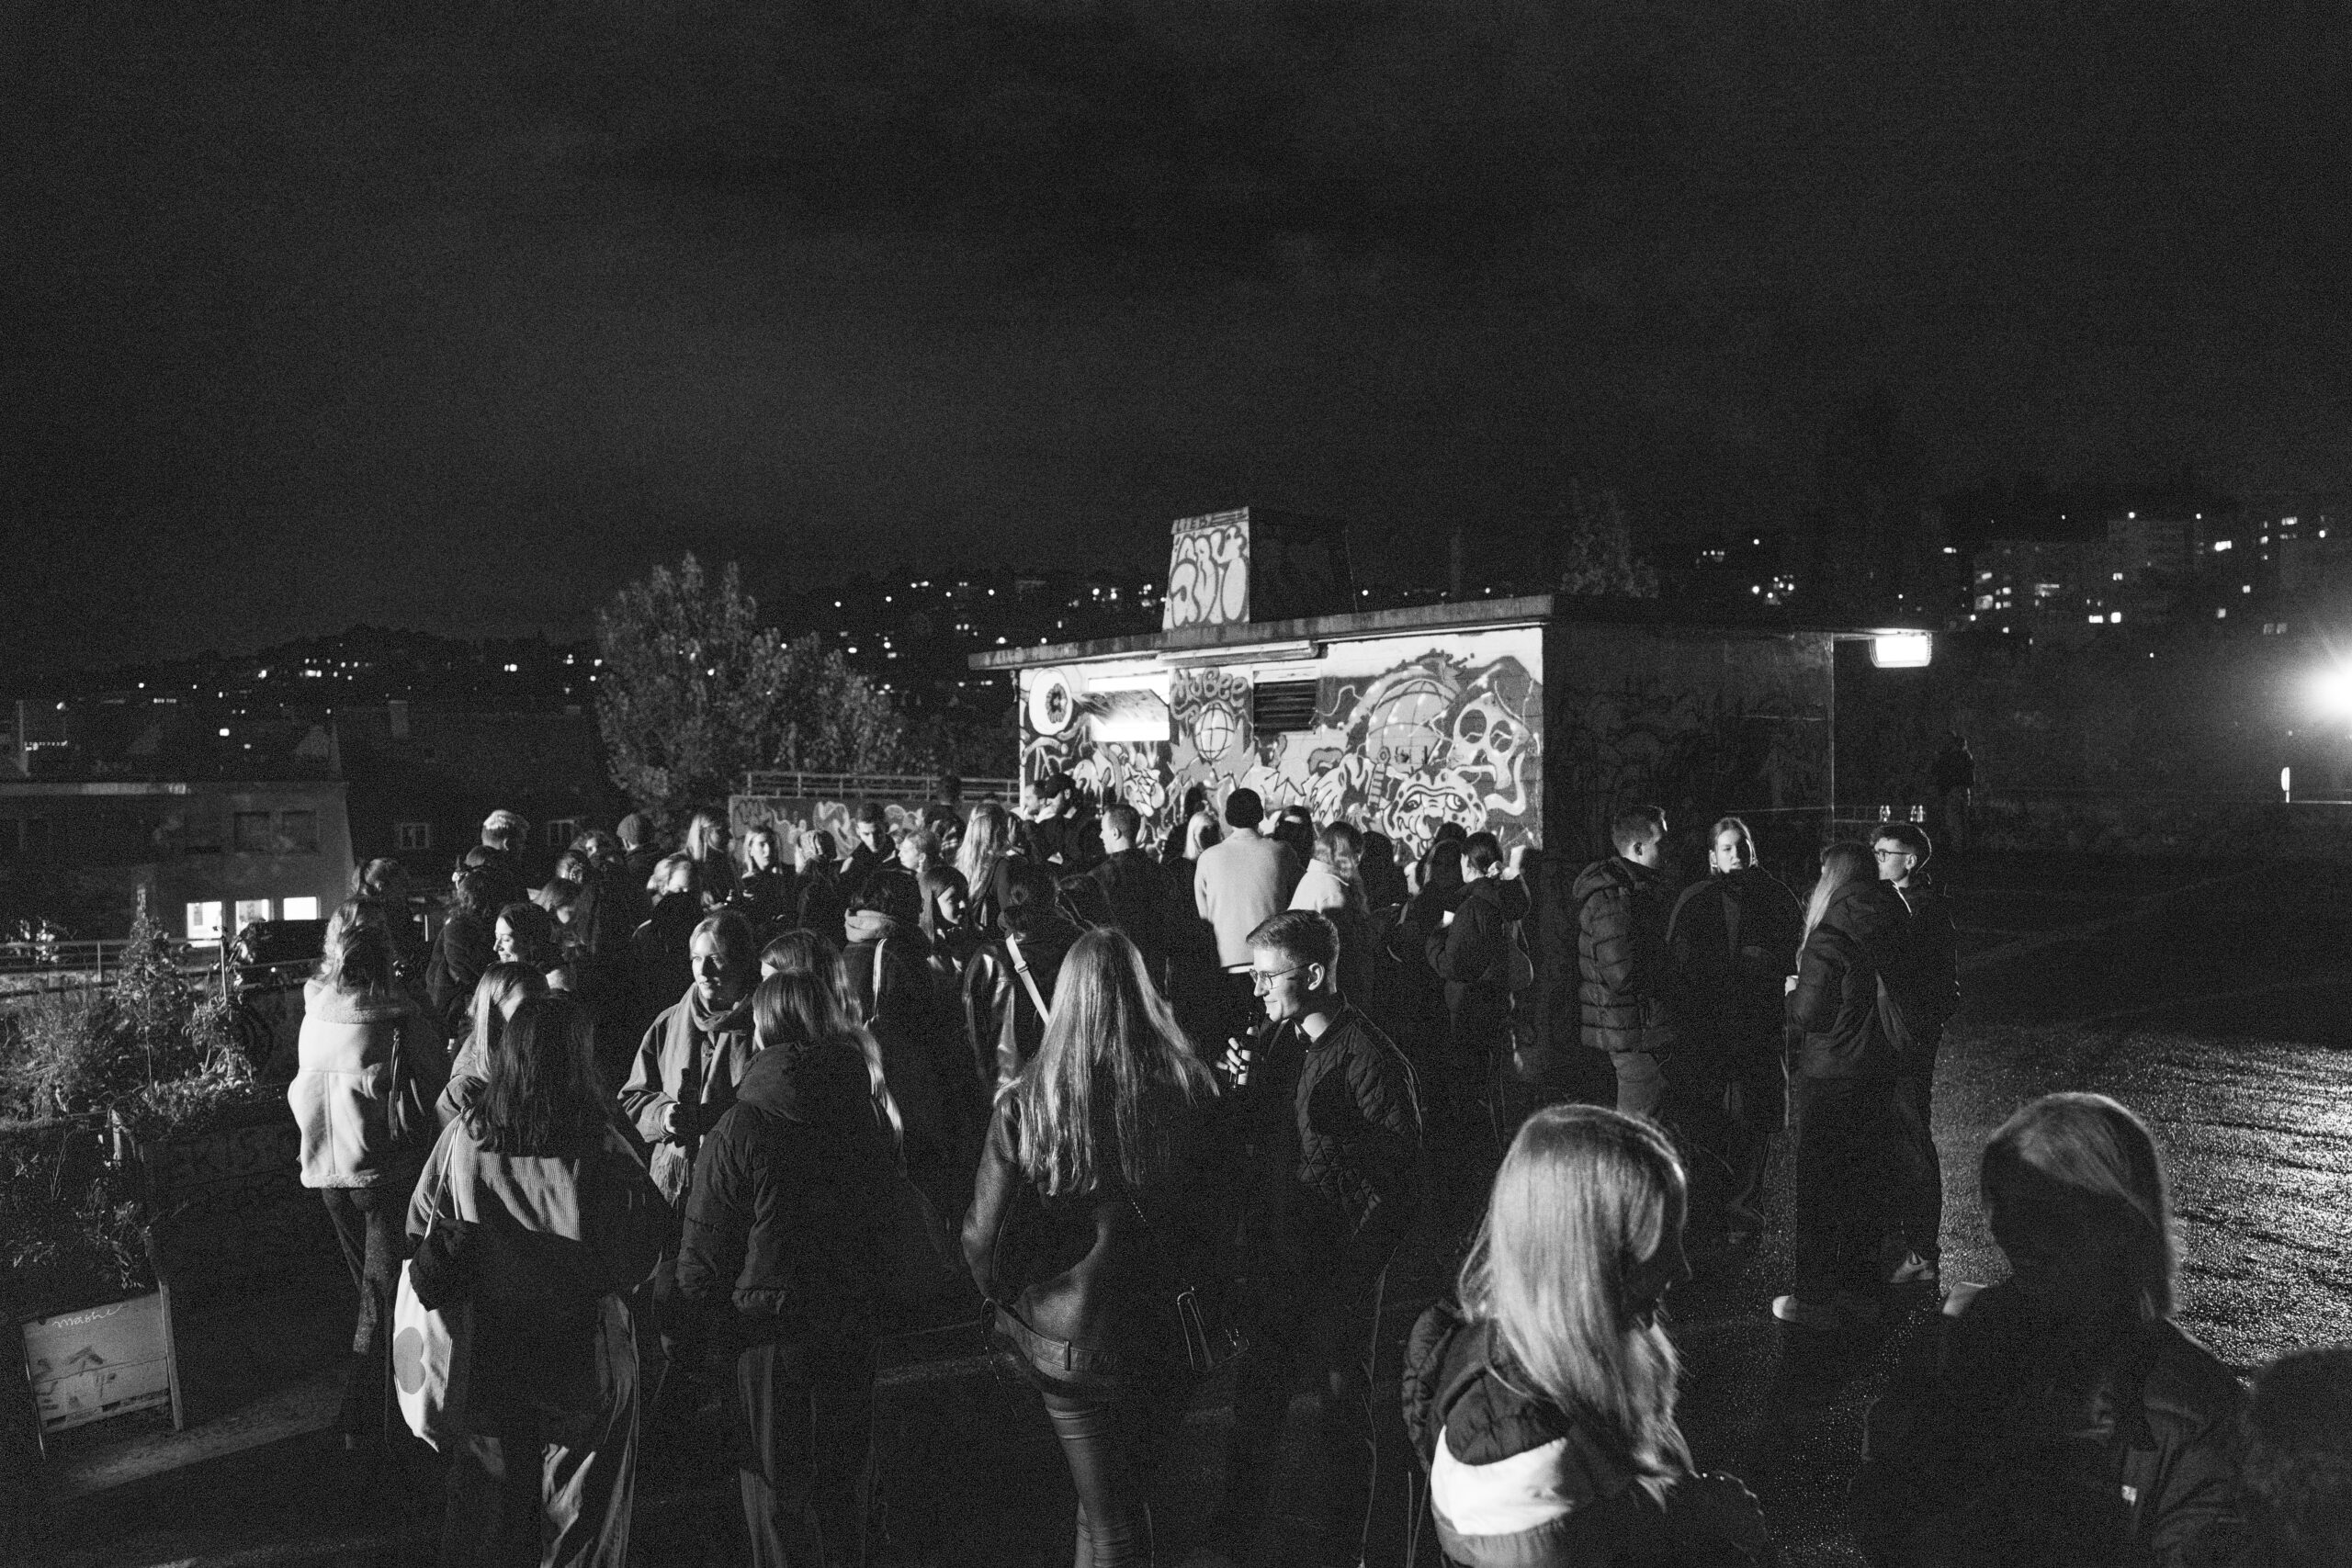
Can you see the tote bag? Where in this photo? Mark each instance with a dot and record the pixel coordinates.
(432, 1361)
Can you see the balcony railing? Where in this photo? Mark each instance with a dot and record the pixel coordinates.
(869, 786)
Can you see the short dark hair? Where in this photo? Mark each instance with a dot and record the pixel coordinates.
(2296, 1478)
(1025, 894)
(1302, 936)
(1910, 835)
(1123, 819)
(1053, 786)
(1485, 856)
(871, 811)
(1244, 809)
(1635, 825)
(1450, 833)
(1734, 825)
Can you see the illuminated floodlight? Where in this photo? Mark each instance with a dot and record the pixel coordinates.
(1902, 651)
(2330, 691)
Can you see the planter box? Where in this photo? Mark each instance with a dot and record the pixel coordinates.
(100, 1362)
(229, 1208)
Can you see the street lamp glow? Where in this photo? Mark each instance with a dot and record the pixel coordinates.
(2331, 692)
(1902, 651)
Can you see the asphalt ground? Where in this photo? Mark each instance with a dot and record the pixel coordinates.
(2214, 1000)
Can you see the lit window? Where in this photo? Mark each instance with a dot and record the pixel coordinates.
(204, 921)
(251, 910)
(300, 909)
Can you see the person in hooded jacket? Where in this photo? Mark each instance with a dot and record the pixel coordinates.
(789, 1219)
(536, 1213)
(363, 1042)
(1096, 1207)
(2060, 1416)
(1008, 984)
(1841, 1092)
(686, 1069)
(1543, 1405)
(1623, 907)
(1922, 994)
(1731, 943)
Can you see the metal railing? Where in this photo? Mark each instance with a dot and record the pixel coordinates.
(793, 784)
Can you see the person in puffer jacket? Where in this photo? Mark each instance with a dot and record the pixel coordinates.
(2060, 1416)
(1543, 1407)
(355, 1021)
(784, 1238)
(1623, 907)
(1841, 1092)
(1329, 1116)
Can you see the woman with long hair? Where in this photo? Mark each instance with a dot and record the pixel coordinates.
(789, 1219)
(503, 988)
(1543, 1408)
(1841, 1092)
(362, 1042)
(824, 900)
(987, 838)
(527, 934)
(463, 951)
(536, 1213)
(2061, 1416)
(1092, 1212)
(806, 952)
(767, 892)
(714, 868)
(382, 885)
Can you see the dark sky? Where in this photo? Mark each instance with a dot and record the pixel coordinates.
(453, 316)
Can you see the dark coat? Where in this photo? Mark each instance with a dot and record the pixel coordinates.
(791, 1213)
(1997, 1444)
(1098, 1270)
(1473, 957)
(1461, 1383)
(824, 900)
(1334, 1126)
(1731, 943)
(1835, 1006)
(1001, 1023)
(770, 899)
(1622, 910)
(454, 969)
(1927, 984)
(1132, 889)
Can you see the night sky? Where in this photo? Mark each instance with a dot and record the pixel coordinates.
(452, 317)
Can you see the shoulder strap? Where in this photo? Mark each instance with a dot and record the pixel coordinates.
(874, 1011)
(1028, 981)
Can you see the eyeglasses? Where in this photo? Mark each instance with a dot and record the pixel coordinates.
(1893, 855)
(1262, 979)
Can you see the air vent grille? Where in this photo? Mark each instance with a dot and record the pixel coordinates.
(1278, 707)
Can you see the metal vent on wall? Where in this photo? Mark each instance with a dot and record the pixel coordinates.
(1277, 707)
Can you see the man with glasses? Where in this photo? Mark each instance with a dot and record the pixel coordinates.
(1330, 1121)
(1923, 993)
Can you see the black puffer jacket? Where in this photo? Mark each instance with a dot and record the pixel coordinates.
(1334, 1129)
(791, 1209)
(1622, 914)
(1861, 936)
(2001, 1443)
(1098, 1270)
(1460, 1382)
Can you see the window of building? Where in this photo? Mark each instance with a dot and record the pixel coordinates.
(204, 921)
(298, 832)
(412, 835)
(561, 831)
(251, 910)
(250, 833)
(300, 908)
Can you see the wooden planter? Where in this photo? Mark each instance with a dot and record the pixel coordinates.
(229, 1208)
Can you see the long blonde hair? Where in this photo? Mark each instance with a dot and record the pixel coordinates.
(1112, 1054)
(987, 837)
(1585, 1196)
(2092, 1154)
(1842, 863)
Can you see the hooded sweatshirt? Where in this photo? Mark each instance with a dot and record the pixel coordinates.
(341, 1090)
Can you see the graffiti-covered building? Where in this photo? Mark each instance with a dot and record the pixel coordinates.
(1535, 717)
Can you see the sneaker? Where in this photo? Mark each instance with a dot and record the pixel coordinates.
(1914, 1270)
(1841, 1311)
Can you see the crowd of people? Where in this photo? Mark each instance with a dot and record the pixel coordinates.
(696, 1129)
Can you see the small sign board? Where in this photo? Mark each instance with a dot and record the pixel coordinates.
(94, 1362)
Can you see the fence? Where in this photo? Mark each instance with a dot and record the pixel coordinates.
(869, 786)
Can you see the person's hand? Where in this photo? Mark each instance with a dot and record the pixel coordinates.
(670, 1119)
(1448, 918)
(1236, 1062)
(1788, 983)
(1518, 860)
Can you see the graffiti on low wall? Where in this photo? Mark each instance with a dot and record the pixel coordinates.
(1403, 735)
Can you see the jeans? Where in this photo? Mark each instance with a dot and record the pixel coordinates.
(1919, 1210)
(1323, 1328)
(1641, 1082)
(802, 1414)
(1844, 1132)
(371, 1224)
(1112, 1443)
